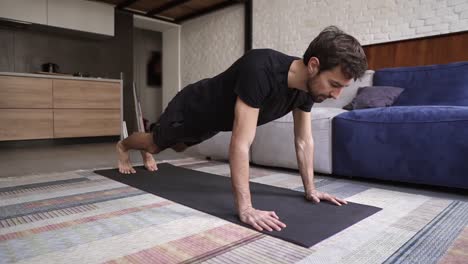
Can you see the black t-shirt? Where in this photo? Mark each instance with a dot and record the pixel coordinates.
(259, 78)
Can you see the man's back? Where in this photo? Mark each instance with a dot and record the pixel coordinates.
(259, 78)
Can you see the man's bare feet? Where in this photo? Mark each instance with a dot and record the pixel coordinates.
(125, 166)
(148, 160)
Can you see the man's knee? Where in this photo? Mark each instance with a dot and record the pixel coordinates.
(179, 147)
(153, 149)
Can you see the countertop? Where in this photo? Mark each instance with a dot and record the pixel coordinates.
(34, 75)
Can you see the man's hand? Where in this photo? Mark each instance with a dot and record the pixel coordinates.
(316, 196)
(261, 219)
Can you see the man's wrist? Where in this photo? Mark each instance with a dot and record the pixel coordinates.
(309, 189)
(242, 198)
(243, 208)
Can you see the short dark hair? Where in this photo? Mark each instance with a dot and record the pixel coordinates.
(333, 47)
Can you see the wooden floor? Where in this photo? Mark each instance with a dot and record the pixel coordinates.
(16, 161)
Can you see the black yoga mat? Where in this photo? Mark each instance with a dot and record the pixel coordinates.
(307, 223)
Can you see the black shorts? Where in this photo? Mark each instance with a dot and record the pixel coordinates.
(175, 126)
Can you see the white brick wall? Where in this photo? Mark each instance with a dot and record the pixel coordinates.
(290, 25)
(211, 43)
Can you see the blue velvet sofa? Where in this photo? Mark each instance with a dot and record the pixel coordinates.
(422, 138)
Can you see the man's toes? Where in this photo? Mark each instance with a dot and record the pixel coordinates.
(151, 167)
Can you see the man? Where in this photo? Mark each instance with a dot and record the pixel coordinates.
(261, 86)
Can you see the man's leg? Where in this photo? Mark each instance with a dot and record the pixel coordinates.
(179, 147)
(137, 141)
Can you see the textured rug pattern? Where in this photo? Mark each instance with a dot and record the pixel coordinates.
(82, 217)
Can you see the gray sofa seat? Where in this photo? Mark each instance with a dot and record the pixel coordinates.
(274, 142)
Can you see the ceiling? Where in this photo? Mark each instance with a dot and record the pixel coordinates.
(175, 11)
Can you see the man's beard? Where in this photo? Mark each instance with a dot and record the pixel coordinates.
(316, 97)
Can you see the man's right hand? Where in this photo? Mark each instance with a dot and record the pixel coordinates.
(261, 219)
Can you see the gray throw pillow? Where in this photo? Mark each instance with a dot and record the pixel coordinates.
(374, 96)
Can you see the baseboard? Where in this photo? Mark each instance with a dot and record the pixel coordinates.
(57, 142)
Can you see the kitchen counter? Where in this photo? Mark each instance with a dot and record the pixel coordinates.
(52, 76)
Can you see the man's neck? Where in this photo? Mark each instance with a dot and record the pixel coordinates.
(297, 76)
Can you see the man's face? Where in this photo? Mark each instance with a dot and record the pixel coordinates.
(327, 84)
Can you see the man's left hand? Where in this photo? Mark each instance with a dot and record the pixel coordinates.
(316, 196)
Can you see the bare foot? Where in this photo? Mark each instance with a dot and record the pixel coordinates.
(125, 166)
(148, 160)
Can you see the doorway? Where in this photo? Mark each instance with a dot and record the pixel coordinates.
(153, 38)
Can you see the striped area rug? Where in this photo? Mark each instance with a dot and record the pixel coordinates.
(81, 217)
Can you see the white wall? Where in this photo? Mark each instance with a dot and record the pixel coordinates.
(211, 43)
(290, 25)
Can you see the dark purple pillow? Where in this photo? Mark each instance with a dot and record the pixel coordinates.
(374, 96)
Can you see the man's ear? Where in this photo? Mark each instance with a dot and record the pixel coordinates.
(313, 67)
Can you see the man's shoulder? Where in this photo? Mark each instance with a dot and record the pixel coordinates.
(263, 58)
(264, 52)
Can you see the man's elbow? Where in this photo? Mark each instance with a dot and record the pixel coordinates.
(239, 147)
(304, 143)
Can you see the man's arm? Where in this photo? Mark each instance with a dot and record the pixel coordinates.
(243, 133)
(304, 143)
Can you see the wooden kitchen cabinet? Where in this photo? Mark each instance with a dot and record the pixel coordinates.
(23, 92)
(86, 94)
(33, 107)
(87, 16)
(86, 122)
(18, 124)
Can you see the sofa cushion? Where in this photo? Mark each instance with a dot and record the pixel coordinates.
(348, 92)
(274, 142)
(374, 96)
(419, 144)
(445, 84)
